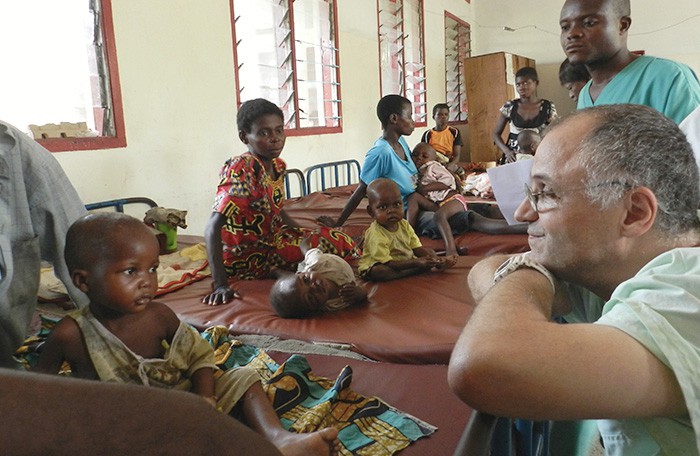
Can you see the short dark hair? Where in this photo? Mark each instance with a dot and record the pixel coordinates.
(527, 72)
(440, 106)
(390, 104)
(622, 7)
(573, 72)
(91, 237)
(284, 298)
(252, 110)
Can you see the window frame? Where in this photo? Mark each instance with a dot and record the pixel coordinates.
(463, 23)
(297, 131)
(416, 113)
(110, 55)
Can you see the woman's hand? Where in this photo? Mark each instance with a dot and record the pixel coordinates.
(325, 220)
(510, 156)
(221, 295)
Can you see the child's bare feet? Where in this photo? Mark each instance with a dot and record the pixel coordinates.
(320, 443)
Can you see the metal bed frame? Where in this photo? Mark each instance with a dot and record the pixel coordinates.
(332, 174)
(118, 204)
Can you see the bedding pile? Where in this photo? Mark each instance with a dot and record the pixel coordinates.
(175, 271)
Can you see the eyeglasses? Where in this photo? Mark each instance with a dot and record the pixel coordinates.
(547, 200)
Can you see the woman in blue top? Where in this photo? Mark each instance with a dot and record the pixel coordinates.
(389, 157)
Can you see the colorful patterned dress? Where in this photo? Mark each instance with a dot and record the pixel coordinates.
(254, 236)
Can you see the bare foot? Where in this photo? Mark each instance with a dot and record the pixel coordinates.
(320, 443)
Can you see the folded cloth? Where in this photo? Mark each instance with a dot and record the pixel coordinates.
(182, 268)
(306, 402)
(175, 271)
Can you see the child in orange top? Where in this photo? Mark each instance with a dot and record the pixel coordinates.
(446, 140)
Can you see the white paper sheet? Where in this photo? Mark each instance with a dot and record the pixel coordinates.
(508, 183)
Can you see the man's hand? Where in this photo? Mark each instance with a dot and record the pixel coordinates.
(221, 295)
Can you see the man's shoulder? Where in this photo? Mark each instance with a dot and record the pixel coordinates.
(659, 67)
(675, 261)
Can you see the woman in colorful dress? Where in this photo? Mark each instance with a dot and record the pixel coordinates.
(525, 113)
(249, 234)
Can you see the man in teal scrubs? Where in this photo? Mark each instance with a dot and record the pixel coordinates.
(594, 32)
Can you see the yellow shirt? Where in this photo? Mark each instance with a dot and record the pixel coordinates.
(382, 245)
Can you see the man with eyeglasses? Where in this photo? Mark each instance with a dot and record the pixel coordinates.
(612, 229)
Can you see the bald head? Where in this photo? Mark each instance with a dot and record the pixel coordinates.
(381, 187)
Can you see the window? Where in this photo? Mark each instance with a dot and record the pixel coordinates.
(63, 78)
(402, 52)
(286, 51)
(457, 48)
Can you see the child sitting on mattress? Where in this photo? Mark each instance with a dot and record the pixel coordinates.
(249, 233)
(124, 336)
(439, 186)
(323, 283)
(392, 250)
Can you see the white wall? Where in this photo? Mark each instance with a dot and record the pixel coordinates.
(178, 88)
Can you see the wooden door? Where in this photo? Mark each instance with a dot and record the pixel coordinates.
(488, 87)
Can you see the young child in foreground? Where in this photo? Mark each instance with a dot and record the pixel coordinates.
(323, 283)
(124, 336)
(439, 186)
(392, 250)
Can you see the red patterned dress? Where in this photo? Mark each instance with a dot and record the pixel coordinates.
(254, 237)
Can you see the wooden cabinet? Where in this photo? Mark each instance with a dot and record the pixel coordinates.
(490, 81)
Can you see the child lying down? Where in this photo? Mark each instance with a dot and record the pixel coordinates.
(323, 283)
